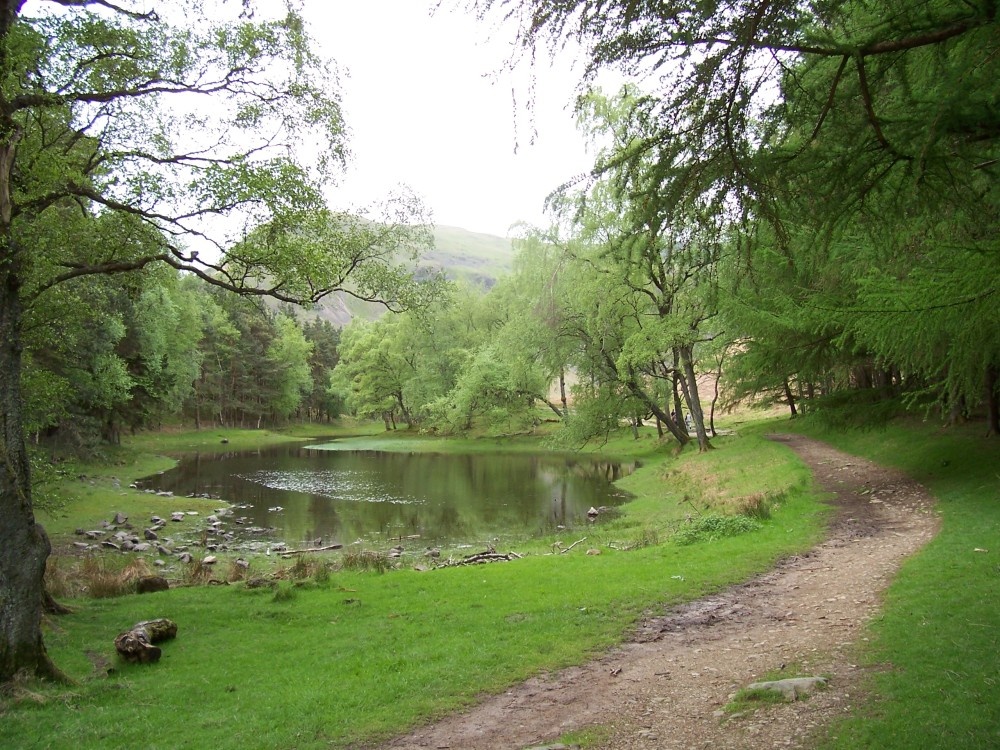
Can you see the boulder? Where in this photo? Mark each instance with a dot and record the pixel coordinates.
(149, 584)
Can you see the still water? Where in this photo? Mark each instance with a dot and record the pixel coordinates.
(335, 494)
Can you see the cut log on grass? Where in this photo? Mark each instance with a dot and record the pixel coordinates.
(136, 644)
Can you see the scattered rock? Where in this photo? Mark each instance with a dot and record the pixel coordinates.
(120, 518)
(209, 560)
(150, 535)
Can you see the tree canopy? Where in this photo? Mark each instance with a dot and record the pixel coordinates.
(851, 151)
(197, 137)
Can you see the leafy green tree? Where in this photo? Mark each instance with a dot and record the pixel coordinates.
(373, 370)
(289, 354)
(104, 112)
(856, 142)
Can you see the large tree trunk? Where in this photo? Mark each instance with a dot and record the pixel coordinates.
(690, 384)
(562, 392)
(790, 399)
(24, 547)
(637, 390)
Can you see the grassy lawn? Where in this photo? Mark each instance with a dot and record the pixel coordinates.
(327, 659)
(935, 653)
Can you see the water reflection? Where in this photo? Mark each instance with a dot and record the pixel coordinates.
(312, 495)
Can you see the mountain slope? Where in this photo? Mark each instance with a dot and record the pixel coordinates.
(472, 257)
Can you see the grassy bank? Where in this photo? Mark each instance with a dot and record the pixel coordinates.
(330, 658)
(935, 652)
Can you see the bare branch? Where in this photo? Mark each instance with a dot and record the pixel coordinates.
(150, 16)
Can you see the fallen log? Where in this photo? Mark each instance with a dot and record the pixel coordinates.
(136, 644)
(481, 558)
(563, 552)
(327, 548)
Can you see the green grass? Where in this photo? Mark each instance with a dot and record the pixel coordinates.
(362, 655)
(935, 652)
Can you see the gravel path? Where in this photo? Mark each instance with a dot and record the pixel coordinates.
(667, 686)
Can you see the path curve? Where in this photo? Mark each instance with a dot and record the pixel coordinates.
(666, 688)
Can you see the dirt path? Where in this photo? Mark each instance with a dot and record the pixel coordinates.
(666, 687)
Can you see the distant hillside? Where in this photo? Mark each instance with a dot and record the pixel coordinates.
(476, 258)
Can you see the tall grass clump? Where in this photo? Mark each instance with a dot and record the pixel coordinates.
(366, 559)
(95, 576)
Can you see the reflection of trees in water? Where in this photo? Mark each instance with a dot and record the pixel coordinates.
(382, 495)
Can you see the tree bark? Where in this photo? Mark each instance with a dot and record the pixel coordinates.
(671, 424)
(690, 384)
(790, 399)
(562, 392)
(24, 546)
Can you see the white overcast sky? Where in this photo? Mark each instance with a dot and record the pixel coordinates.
(426, 109)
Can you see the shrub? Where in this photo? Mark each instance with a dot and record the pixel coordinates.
(715, 526)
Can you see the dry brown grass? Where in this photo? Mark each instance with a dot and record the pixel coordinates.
(96, 576)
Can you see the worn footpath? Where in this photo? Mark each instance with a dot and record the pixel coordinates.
(666, 687)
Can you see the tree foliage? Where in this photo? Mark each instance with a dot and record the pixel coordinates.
(197, 137)
(852, 151)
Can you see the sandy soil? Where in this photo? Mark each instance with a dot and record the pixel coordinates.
(666, 687)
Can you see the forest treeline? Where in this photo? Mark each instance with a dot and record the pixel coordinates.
(802, 212)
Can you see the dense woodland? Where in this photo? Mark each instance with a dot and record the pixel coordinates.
(797, 200)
